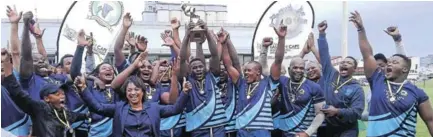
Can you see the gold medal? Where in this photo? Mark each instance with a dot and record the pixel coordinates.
(149, 97)
(344, 83)
(248, 97)
(392, 98)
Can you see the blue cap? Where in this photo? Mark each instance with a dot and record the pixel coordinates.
(51, 88)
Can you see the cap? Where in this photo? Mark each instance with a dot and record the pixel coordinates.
(51, 88)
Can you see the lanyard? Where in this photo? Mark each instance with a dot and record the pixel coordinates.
(63, 122)
(344, 83)
(250, 91)
(293, 94)
(392, 99)
(200, 85)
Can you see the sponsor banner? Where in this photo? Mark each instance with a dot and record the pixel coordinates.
(102, 18)
(298, 16)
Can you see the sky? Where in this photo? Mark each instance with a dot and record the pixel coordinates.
(414, 20)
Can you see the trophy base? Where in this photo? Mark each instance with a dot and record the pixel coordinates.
(197, 35)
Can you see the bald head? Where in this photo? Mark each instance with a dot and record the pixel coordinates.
(296, 69)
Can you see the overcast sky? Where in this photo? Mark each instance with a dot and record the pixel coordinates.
(415, 20)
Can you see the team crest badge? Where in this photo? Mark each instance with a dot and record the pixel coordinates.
(106, 13)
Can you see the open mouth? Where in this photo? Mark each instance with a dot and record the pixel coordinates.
(109, 76)
(145, 75)
(343, 70)
(133, 98)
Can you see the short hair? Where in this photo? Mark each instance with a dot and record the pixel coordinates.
(195, 59)
(380, 56)
(258, 65)
(137, 81)
(354, 61)
(407, 60)
(64, 56)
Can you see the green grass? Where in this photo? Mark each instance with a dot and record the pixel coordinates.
(421, 128)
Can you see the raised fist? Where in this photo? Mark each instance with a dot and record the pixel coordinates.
(267, 41)
(322, 26)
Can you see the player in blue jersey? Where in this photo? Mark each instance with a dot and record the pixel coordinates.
(302, 101)
(227, 86)
(254, 111)
(14, 120)
(205, 111)
(396, 101)
(344, 95)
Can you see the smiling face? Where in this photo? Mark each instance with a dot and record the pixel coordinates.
(347, 67)
(313, 71)
(40, 65)
(145, 70)
(252, 72)
(56, 99)
(396, 67)
(106, 73)
(134, 94)
(198, 69)
(297, 68)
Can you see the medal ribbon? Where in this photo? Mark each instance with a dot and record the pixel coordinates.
(250, 91)
(344, 83)
(398, 90)
(61, 121)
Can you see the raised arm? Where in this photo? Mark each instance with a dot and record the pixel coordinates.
(184, 51)
(223, 38)
(78, 55)
(21, 99)
(90, 59)
(365, 47)
(175, 24)
(154, 78)
(14, 18)
(119, 79)
(279, 53)
(169, 42)
(199, 51)
(396, 36)
(263, 57)
(214, 65)
(233, 54)
(26, 62)
(119, 57)
(325, 59)
(38, 33)
(106, 110)
(174, 83)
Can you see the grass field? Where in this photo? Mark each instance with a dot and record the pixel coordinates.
(421, 129)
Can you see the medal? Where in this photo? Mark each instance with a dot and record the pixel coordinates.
(392, 99)
(250, 91)
(71, 130)
(149, 97)
(294, 92)
(344, 83)
(66, 122)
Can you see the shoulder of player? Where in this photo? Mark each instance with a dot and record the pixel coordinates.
(413, 87)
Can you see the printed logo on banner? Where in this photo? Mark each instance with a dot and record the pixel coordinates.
(294, 19)
(106, 13)
(299, 19)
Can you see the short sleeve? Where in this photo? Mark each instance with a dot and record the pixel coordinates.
(421, 96)
(377, 74)
(317, 94)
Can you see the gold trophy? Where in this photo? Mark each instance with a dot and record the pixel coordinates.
(197, 33)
